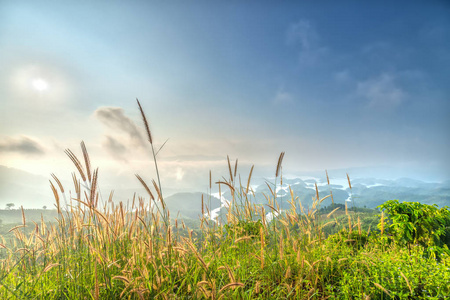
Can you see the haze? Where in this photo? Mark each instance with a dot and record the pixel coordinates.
(345, 85)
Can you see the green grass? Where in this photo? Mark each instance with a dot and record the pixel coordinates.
(98, 250)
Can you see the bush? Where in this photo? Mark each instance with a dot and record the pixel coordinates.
(416, 223)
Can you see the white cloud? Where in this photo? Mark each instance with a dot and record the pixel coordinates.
(381, 92)
(22, 145)
(114, 118)
(304, 34)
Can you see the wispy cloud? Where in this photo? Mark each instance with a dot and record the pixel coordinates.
(114, 118)
(381, 92)
(342, 76)
(283, 97)
(115, 148)
(22, 145)
(304, 35)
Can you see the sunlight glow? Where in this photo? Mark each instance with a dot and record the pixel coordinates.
(39, 84)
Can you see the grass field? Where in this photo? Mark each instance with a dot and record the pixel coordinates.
(97, 250)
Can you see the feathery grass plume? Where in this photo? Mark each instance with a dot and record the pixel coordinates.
(407, 282)
(331, 192)
(349, 183)
(382, 223)
(158, 192)
(229, 169)
(281, 176)
(76, 184)
(23, 216)
(111, 195)
(86, 160)
(92, 198)
(235, 167)
(150, 139)
(332, 212)
(55, 194)
(77, 163)
(227, 184)
(280, 160)
(203, 207)
(144, 184)
(231, 285)
(317, 191)
(382, 288)
(144, 118)
(61, 188)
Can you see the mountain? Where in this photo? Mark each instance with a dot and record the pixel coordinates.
(190, 204)
(23, 188)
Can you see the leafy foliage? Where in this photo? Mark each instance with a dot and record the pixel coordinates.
(416, 223)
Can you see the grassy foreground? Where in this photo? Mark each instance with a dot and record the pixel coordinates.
(104, 251)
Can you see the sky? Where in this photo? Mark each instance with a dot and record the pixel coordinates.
(335, 84)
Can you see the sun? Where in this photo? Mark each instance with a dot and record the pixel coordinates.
(39, 84)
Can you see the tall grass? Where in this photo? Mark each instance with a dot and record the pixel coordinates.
(104, 250)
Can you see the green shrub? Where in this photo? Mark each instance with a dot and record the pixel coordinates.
(417, 223)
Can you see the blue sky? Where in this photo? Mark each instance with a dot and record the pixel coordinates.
(336, 85)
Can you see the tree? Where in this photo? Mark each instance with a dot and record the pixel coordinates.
(44, 207)
(10, 205)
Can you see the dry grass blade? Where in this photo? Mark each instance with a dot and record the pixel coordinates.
(235, 167)
(86, 160)
(160, 148)
(280, 160)
(147, 128)
(270, 189)
(328, 179)
(76, 162)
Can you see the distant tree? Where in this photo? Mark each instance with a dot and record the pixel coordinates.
(10, 205)
(44, 207)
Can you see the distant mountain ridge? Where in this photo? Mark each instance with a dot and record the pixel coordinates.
(33, 191)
